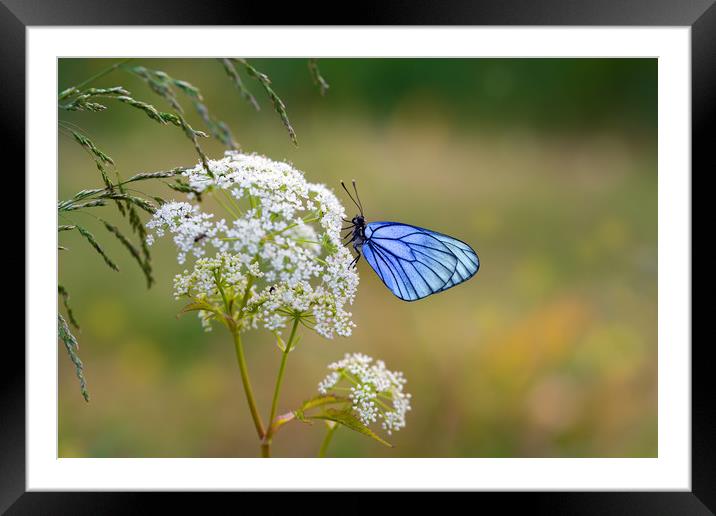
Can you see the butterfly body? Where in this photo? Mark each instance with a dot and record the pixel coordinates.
(413, 262)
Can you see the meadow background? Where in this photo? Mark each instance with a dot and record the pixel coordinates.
(547, 167)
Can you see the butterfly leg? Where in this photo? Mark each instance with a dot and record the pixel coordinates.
(356, 248)
(354, 263)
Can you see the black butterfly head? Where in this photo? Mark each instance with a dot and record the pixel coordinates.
(358, 220)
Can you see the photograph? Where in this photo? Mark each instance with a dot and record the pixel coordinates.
(357, 257)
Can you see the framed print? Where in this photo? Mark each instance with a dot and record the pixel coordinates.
(439, 250)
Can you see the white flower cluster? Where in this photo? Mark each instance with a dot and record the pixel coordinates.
(212, 278)
(280, 239)
(190, 227)
(375, 392)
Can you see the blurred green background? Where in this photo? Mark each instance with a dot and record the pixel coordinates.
(548, 167)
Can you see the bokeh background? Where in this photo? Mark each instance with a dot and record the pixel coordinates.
(548, 167)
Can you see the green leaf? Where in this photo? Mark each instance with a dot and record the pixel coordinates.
(318, 401)
(70, 342)
(197, 305)
(348, 419)
(93, 242)
(328, 245)
(279, 342)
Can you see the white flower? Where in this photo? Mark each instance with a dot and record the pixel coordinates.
(213, 278)
(374, 391)
(190, 227)
(280, 240)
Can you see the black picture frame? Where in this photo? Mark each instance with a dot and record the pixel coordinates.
(700, 15)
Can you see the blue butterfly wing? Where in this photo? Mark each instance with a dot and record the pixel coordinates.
(467, 260)
(414, 262)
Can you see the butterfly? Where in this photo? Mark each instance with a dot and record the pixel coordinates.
(413, 262)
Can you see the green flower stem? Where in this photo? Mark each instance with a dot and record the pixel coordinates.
(247, 382)
(327, 440)
(236, 333)
(226, 207)
(266, 446)
(232, 202)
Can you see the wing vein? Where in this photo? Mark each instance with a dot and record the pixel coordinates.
(419, 262)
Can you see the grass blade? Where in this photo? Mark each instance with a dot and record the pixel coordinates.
(236, 78)
(93, 242)
(142, 176)
(92, 148)
(100, 158)
(89, 204)
(159, 84)
(65, 301)
(318, 79)
(137, 201)
(148, 109)
(278, 104)
(144, 265)
(71, 345)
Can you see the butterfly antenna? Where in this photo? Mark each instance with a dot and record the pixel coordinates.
(352, 199)
(360, 204)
